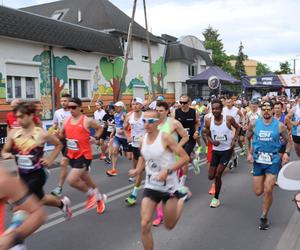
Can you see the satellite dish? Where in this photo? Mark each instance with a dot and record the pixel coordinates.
(213, 82)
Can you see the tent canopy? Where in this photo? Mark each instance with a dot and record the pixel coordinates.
(213, 71)
(266, 81)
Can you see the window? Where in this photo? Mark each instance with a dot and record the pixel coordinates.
(21, 87)
(192, 70)
(79, 88)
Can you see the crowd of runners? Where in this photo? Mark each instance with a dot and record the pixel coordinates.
(163, 142)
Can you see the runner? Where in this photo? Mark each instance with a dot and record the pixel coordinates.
(135, 121)
(241, 140)
(109, 125)
(98, 116)
(158, 158)
(263, 152)
(219, 132)
(26, 145)
(201, 109)
(79, 151)
(293, 120)
(119, 139)
(190, 120)
(12, 190)
(59, 116)
(174, 128)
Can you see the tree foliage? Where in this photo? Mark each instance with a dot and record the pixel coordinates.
(239, 65)
(285, 68)
(262, 69)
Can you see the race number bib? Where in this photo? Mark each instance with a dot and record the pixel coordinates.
(25, 161)
(72, 144)
(220, 138)
(110, 128)
(154, 182)
(264, 158)
(135, 141)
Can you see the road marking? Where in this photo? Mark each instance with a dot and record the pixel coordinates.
(113, 195)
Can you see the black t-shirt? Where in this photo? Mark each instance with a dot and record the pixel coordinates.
(187, 119)
(108, 119)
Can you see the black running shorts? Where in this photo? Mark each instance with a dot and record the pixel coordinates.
(158, 196)
(81, 162)
(220, 158)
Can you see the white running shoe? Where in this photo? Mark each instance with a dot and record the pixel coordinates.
(67, 208)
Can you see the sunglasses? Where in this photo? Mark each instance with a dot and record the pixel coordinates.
(150, 120)
(266, 109)
(183, 103)
(73, 107)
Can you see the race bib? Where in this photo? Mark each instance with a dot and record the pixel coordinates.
(154, 182)
(72, 144)
(220, 138)
(110, 128)
(24, 161)
(264, 158)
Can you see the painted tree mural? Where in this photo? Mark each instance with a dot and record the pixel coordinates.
(2, 87)
(112, 72)
(159, 71)
(60, 76)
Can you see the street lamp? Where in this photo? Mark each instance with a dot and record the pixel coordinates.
(294, 63)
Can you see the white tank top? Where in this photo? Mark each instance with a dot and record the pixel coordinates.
(158, 158)
(232, 112)
(137, 129)
(221, 133)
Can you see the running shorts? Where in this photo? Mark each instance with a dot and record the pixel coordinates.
(262, 169)
(296, 139)
(189, 146)
(35, 182)
(158, 196)
(136, 153)
(220, 157)
(80, 163)
(121, 141)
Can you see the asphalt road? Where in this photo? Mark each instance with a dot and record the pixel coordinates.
(232, 226)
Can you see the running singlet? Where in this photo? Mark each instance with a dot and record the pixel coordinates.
(295, 118)
(28, 151)
(78, 139)
(232, 112)
(137, 129)
(166, 128)
(158, 158)
(266, 142)
(221, 133)
(187, 119)
(119, 121)
(60, 115)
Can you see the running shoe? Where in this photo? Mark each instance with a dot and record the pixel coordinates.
(112, 172)
(107, 160)
(212, 189)
(57, 191)
(230, 165)
(131, 179)
(214, 203)
(91, 201)
(242, 153)
(235, 161)
(131, 200)
(263, 223)
(157, 222)
(102, 156)
(199, 150)
(101, 204)
(196, 166)
(66, 208)
(185, 193)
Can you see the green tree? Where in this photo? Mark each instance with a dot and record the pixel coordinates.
(239, 65)
(285, 68)
(262, 69)
(214, 43)
(159, 71)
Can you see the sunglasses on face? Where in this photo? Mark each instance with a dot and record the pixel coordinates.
(73, 107)
(266, 109)
(183, 103)
(150, 120)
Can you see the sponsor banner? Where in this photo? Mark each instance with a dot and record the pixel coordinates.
(290, 80)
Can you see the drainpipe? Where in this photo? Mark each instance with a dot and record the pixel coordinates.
(164, 60)
(52, 79)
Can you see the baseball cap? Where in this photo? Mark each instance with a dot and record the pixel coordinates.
(160, 98)
(119, 104)
(254, 101)
(267, 104)
(194, 102)
(138, 100)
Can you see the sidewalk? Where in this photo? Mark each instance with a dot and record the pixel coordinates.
(11, 165)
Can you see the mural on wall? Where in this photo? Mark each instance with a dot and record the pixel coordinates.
(112, 72)
(159, 71)
(45, 85)
(61, 84)
(136, 82)
(2, 87)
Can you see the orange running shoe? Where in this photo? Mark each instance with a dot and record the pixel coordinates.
(112, 172)
(91, 201)
(212, 190)
(101, 204)
(157, 222)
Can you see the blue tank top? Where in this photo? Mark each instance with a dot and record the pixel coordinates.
(119, 121)
(266, 142)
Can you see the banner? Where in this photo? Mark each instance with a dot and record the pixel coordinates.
(267, 81)
(290, 80)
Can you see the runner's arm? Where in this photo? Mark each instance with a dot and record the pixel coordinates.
(126, 125)
(91, 123)
(237, 127)
(207, 129)
(13, 190)
(285, 135)
(197, 125)
(181, 132)
(49, 138)
(249, 135)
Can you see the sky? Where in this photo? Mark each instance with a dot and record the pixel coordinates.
(268, 29)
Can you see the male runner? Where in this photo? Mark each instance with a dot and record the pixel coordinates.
(79, 151)
(12, 190)
(201, 109)
(98, 116)
(119, 139)
(218, 130)
(26, 145)
(190, 121)
(158, 152)
(264, 154)
(59, 116)
(109, 125)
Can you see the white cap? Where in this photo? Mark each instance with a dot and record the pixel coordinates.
(194, 102)
(152, 105)
(138, 100)
(119, 104)
(238, 102)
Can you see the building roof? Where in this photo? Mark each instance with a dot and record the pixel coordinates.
(177, 51)
(213, 71)
(22, 25)
(96, 14)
